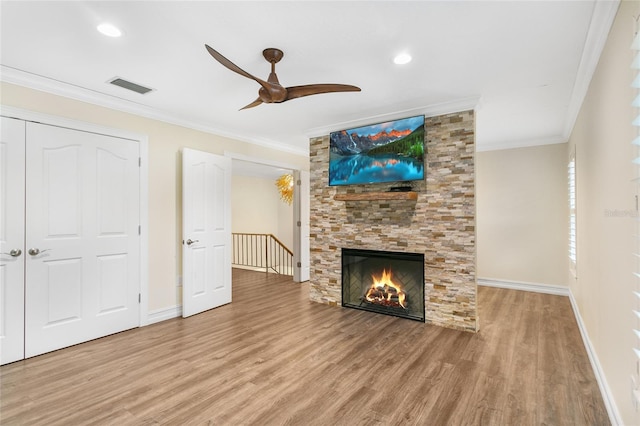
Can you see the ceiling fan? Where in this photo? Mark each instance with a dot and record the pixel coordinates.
(272, 91)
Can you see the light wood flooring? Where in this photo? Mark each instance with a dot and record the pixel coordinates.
(272, 358)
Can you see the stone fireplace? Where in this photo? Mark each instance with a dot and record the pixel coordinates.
(437, 221)
(390, 283)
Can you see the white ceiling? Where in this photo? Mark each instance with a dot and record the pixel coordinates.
(524, 66)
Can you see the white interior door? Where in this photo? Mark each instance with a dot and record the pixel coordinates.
(12, 163)
(83, 248)
(301, 220)
(206, 231)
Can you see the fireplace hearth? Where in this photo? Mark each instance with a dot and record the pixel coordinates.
(389, 283)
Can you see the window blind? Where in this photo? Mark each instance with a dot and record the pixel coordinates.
(635, 85)
(572, 214)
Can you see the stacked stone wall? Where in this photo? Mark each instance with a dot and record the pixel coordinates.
(441, 223)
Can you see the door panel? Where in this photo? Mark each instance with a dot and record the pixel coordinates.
(82, 217)
(61, 186)
(112, 282)
(3, 307)
(62, 295)
(219, 258)
(12, 163)
(111, 188)
(199, 271)
(206, 215)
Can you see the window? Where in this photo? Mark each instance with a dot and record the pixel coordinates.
(572, 214)
(635, 85)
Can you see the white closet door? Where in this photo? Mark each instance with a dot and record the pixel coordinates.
(12, 256)
(82, 242)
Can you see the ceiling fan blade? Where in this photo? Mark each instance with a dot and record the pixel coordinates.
(233, 67)
(252, 104)
(272, 91)
(316, 89)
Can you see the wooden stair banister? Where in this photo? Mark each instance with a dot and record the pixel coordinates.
(262, 251)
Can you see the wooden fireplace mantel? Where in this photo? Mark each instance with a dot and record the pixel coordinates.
(371, 196)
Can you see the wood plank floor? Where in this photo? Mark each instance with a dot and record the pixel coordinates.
(273, 358)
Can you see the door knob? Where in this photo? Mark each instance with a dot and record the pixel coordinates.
(36, 251)
(14, 253)
(189, 241)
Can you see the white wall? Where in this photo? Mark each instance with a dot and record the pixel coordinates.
(522, 210)
(257, 208)
(601, 139)
(165, 182)
(285, 223)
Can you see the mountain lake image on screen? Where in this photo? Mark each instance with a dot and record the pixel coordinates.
(392, 151)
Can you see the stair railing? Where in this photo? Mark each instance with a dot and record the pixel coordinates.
(262, 251)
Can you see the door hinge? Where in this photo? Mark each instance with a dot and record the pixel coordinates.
(298, 182)
(139, 229)
(299, 265)
(139, 161)
(139, 298)
(299, 223)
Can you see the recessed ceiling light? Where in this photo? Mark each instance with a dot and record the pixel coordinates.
(401, 59)
(109, 30)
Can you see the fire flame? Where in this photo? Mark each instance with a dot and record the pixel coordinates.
(384, 291)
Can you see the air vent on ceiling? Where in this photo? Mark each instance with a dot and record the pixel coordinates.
(130, 86)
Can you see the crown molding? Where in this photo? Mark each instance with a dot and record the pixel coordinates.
(39, 117)
(59, 88)
(434, 110)
(604, 13)
(524, 143)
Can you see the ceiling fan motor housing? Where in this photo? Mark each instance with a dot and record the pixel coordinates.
(277, 94)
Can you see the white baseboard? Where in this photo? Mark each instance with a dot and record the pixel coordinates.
(605, 391)
(533, 287)
(607, 395)
(164, 314)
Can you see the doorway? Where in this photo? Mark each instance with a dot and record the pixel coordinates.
(262, 211)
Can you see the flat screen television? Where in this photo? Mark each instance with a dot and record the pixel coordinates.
(392, 151)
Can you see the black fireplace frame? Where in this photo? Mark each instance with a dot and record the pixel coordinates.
(383, 255)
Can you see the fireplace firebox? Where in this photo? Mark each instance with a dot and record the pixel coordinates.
(385, 282)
